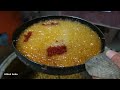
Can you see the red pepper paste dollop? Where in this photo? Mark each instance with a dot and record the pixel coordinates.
(27, 36)
(57, 50)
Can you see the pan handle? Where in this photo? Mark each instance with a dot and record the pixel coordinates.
(6, 63)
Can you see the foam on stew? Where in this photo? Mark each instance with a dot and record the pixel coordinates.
(60, 43)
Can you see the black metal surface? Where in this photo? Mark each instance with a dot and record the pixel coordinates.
(50, 69)
(25, 72)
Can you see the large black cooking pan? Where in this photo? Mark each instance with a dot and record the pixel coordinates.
(51, 69)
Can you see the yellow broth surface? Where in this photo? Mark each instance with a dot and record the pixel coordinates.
(80, 43)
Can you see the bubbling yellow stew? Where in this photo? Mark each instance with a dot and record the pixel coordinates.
(59, 43)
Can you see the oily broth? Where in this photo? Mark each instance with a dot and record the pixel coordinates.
(81, 42)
